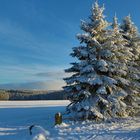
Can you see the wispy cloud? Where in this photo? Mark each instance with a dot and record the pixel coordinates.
(18, 43)
(16, 37)
(48, 85)
(33, 77)
(34, 50)
(57, 74)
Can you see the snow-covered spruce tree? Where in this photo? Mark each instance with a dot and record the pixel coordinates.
(97, 88)
(124, 64)
(131, 34)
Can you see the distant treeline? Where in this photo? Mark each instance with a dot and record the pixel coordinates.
(32, 95)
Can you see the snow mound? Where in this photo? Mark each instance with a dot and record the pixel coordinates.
(40, 137)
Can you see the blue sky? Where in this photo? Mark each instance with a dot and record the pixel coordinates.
(37, 36)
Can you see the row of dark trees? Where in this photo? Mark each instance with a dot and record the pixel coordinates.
(32, 95)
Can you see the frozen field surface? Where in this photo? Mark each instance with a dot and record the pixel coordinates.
(17, 116)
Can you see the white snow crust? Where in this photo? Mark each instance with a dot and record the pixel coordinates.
(17, 116)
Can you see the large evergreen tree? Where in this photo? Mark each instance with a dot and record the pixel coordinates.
(131, 34)
(98, 86)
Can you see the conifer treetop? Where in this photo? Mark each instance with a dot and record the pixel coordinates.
(97, 22)
(97, 17)
(115, 24)
(128, 26)
(97, 12)
(130, 32)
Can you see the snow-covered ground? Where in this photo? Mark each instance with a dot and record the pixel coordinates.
(17, 116)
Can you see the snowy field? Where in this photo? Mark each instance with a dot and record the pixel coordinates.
(17, 116)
